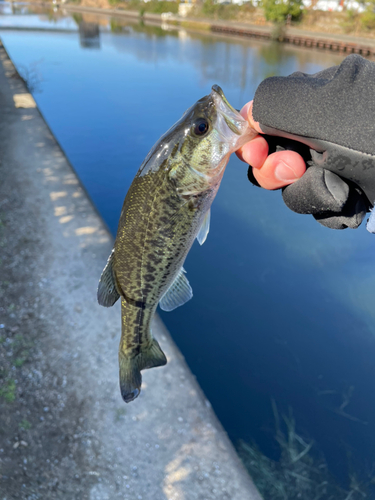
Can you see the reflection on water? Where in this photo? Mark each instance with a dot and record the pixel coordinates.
(13, 8)
(282, 307)
(89, 35)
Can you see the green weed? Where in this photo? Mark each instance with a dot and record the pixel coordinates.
(24, 424)
(8, 391)
(18, 362)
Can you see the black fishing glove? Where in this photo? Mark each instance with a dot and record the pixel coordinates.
(331, 116)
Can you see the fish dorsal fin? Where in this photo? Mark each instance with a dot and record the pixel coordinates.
(205, 227)
(107, 291)
(177, 294)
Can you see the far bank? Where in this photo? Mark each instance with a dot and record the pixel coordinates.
(340, 32)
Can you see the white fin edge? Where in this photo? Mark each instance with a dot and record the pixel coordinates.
(205, 228)
(107, 291)
(370, 226)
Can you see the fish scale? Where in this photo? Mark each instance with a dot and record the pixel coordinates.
(166, 208)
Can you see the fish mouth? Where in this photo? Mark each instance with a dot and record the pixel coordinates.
(232, 117)
(220, 92)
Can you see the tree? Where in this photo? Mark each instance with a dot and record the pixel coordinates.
(277, 11)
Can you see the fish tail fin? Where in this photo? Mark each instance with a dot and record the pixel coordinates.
(130, 369)
(130, 378)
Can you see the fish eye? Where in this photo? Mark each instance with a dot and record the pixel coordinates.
(201, 127)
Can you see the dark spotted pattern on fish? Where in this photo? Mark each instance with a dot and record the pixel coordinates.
(162, 213)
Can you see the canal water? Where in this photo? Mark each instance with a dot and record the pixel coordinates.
(283, 307)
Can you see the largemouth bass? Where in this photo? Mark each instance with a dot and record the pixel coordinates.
(166, 208)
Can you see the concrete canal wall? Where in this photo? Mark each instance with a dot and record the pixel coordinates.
(65, 431)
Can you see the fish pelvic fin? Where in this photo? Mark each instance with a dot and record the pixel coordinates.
(107, 290)
(205, 228)
(130, 369)
(177, 294)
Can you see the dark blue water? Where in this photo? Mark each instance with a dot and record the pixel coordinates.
(282, 307)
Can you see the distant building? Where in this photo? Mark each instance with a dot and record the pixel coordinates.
(325, 5)
(335, 5)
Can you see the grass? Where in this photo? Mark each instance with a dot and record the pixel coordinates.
(21, 347)
(300, 473)
(24, 424)
(18, 362)
(20, 353)
(153, 7)
(8, 391)
(214, 10)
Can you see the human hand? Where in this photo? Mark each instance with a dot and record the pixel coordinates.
(331, 115)
(270, 171)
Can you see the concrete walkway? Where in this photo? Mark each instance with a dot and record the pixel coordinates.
(65, 432)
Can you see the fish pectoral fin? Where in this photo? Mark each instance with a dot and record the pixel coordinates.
(130, 369)
(205, 227)
(178, 293)
(107, 290)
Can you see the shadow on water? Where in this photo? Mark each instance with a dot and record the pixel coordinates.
(282, 308)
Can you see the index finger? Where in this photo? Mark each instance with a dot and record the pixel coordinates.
(247, 113)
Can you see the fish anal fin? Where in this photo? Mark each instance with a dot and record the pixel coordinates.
(107, 290)
(152, 357)
(177, 294)
(205, 227)
(130, 369)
